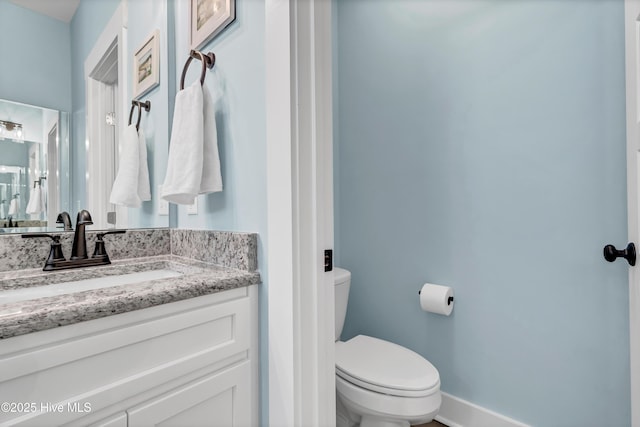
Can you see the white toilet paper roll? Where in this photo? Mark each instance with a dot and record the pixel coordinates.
(436, 299)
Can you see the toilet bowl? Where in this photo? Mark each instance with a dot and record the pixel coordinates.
(379, 383)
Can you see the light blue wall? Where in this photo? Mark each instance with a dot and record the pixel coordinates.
(89, 21)
(14, 153)
(481, 145)
(36, 64)
(238, 80)
(146, 16)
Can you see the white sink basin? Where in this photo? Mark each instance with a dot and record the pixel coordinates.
(30, 293)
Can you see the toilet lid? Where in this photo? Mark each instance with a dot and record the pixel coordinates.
(384, 366)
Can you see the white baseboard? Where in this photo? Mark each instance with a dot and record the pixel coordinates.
(455, 412)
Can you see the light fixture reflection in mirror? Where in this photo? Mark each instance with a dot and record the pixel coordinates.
(11, 130)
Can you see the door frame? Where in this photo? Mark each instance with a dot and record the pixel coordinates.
(52, 166)
(632, 87)
(300, 212)
(98, 95)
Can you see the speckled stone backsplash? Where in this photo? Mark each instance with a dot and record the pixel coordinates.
(17, 253)
(223, 248)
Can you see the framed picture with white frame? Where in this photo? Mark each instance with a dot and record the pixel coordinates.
(146, 65)
(208, 18)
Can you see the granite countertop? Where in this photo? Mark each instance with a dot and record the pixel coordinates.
(197, 279)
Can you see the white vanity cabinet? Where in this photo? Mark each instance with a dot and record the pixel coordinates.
(119, 420)
(188, 363)
(210, 401)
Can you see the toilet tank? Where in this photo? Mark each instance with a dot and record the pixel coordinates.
(342, 281)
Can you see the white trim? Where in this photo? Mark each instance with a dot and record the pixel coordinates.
(632, 43)
(52, 182)
(456, 412)
(98, 170)
(300, 212)
(254, 344)
(313, 38)
(323, 129)
(279, 213)
(113, 27)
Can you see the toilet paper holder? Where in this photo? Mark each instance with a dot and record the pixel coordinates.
(449, 300)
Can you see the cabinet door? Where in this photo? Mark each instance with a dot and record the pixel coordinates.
(220, 399)
(119, 420)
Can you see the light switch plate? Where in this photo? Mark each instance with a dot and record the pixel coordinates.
(193, 209)
(163, 205)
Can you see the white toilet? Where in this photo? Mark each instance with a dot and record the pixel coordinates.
(378, 383)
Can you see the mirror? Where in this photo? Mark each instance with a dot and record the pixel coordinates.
(79, 68)
(34, 143)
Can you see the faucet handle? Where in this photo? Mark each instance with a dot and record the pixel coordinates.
(55, 254)
(54, 237)
(104, 233)
(100, 250)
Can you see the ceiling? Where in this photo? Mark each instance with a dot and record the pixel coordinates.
(61, 10)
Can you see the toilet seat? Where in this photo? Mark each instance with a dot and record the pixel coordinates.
(385, 367)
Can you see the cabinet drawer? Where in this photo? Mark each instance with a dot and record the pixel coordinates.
(119, 420)
(218, 400)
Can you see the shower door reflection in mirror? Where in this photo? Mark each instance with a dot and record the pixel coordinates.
(34, 150)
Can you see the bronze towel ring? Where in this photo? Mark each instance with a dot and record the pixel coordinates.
(146, 105)
(208, 60)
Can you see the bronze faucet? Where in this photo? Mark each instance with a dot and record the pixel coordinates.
(79, 257)
(65, 220)
(79, 250)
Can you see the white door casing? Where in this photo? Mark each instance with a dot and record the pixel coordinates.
(52, 166)
(300, 213)
(632, 46)
(101, 160)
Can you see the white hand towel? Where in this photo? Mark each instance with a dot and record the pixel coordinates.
(35, 206)
(211, 175)
(184, 166)
(144, 189)
(38, 205)
(44, 192)
(31, 201)
(14, 207)
(125, 187)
